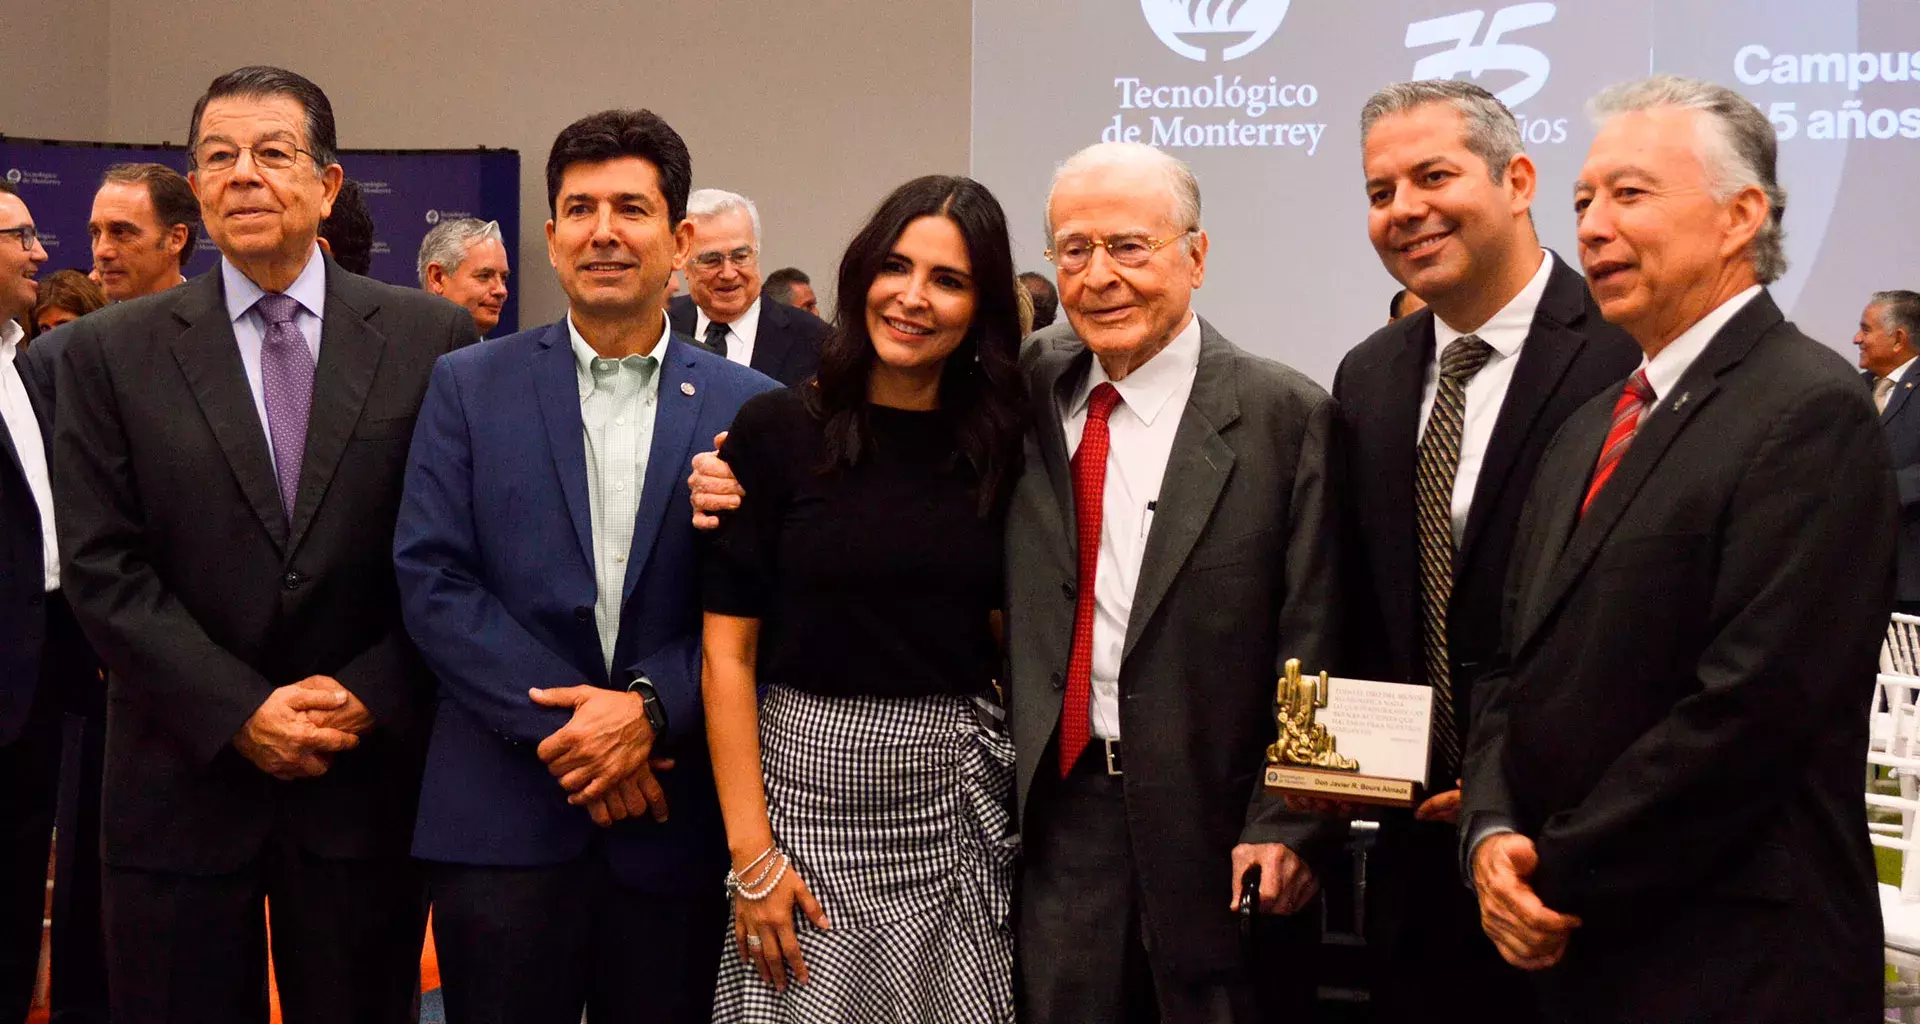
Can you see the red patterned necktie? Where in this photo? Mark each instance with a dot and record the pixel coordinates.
(1089, 499)
(1626, 421)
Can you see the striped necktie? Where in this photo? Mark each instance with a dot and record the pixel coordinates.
(1439, 458)
(1634, 399)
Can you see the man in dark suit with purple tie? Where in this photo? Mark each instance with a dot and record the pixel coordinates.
(227, 462)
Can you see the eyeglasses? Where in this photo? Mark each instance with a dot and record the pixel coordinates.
(29, 236)
(709, 262)
(220, 157)
(1074, 252)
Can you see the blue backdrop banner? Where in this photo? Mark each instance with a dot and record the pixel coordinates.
(407, 192)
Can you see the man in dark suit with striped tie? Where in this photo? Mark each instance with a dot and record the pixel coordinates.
(1889, 330)
(1446, 413)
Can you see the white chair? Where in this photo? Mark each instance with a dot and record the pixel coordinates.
(1900, 652)
(1893, 804)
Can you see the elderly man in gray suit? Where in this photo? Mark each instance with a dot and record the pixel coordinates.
(1169, 545)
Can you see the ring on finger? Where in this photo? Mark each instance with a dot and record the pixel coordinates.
(753, 942)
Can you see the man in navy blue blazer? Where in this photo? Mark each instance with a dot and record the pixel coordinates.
(547, 568)
(1889, 340)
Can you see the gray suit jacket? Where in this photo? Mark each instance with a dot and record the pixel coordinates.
(1240, 574)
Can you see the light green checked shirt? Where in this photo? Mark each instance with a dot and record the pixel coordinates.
(618, 399)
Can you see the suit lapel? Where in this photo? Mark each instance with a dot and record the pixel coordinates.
(1897, 400)
(1656, 434)
(682, 390)
(1545, 357)
(1197, 471)
(1058, 370)
(1398, 565)
(556, 385)
(769, 340)
(350, 351)
(209, 359)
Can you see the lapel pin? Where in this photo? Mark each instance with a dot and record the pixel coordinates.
(1682, 400)
(686, 387)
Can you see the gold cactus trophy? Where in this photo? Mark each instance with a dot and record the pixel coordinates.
(1302, 742)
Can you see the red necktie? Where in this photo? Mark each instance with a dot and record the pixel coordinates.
(1626, 421)
(1089, 499)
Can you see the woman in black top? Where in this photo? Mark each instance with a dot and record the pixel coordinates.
(857, 589)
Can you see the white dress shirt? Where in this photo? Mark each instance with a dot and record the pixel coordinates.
(250, 328)
(1140, 431)
(1901, 374)
(740, 333)
(24, 427)
(1505, 332)
(1665, 370)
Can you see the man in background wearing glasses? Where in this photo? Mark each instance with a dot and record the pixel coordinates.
(722, 309)
(228, 458)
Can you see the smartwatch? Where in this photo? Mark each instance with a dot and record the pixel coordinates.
(650, 701)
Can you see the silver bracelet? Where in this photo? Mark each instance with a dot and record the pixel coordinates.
(754, 891)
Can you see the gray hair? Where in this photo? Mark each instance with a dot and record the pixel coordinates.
(1736, 146)
(1491, 132)
(709, 202)
(1899, 311)
(1183, 189)
(447, 244)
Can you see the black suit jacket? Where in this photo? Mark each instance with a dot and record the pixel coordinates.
(786, 345)
(1901, 420)
(202, 598)
(1570, 355)
(1680, 711)
(23, 575)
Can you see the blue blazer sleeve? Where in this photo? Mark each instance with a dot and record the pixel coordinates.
(484, 658)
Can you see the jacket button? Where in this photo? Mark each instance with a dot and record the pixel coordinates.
(1059, 681)
(583, 613)
(292, 580)
(1067, 589)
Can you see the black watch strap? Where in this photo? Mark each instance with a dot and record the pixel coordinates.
(650, 701)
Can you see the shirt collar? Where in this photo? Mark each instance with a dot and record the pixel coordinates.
(745, 328)
(1900, 374)
(11, 334)
(1665, 369)
(309, 289)
(1147, 388)
(1506, 330)
(584, 356)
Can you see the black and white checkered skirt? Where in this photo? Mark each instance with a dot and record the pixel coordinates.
(895, 812)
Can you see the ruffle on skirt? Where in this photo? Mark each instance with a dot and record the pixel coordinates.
(896, 814)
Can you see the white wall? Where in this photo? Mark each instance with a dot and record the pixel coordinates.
(813, 109)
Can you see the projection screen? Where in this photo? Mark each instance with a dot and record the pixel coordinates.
(1262, 99)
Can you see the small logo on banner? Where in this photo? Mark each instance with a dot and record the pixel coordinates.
(433, 216)
(13, 175)
(1490, 53)
(1210, 30)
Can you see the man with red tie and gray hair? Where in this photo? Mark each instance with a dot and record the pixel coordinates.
(1662, 810)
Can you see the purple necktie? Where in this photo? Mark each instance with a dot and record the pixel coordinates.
(286, 376)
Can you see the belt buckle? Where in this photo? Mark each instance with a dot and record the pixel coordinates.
(1112, 748)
